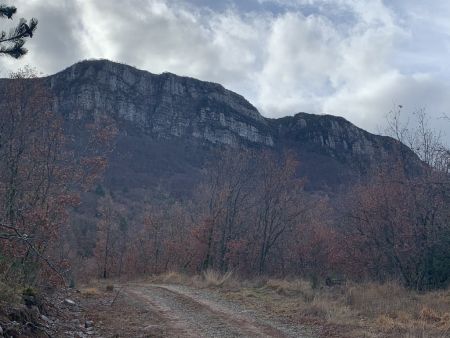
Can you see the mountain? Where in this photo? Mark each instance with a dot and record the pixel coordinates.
(170, 125)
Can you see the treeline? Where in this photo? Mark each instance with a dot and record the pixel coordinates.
(248, 215)
(251, 215)
(243, 217)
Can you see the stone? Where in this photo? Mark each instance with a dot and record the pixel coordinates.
(88, 324)
(69, 302)
(46, 319)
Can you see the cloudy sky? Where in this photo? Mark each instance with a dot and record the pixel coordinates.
(354, 58)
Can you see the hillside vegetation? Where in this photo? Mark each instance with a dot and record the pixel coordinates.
(249, 210)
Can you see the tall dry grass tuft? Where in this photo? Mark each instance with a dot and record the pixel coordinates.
(296, 287)
(91, 291)
(371, 299)
(214, 278)
(174, 277)
(209, 278)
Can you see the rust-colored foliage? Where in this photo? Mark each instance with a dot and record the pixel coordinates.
(40, 180)
(398, 226)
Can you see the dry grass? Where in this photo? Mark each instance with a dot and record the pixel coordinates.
(297, 287)
(354, 310)
(395, 309)
(173, 277)
(97, 287)
(8, 294)
(209, 278)
(349, 310)
(90, 291)
(216, 279)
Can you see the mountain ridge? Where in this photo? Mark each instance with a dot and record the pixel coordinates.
(170, 125)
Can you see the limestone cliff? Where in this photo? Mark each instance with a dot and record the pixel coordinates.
(164, 105)
(170, 125)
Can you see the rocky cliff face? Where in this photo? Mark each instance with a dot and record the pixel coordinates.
(163, 105)
(170, 125)
(336, 137)
(333, 151)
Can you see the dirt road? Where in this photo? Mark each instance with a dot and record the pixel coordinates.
(178, 311)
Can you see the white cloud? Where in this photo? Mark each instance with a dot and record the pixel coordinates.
(56, 41)
(367, 105)
(312, 59)
(354, 58)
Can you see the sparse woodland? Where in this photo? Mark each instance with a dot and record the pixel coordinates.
(251, 215)
(326, 257)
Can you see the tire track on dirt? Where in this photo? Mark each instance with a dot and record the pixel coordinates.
(190, 316)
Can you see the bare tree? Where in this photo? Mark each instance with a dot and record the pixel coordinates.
(399, 223)
(111, 237)
(277, 203)
(418, 134)
(398, 226)
(226, 194)
(35, 171)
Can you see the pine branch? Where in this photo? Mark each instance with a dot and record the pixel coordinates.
(15, 41)
(16, 49)
(23, 30)
(7, 11)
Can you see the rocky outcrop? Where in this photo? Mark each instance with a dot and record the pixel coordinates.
(163, 105)
(170, 125)
(335, 137)
(332, 151)
(168, 106)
